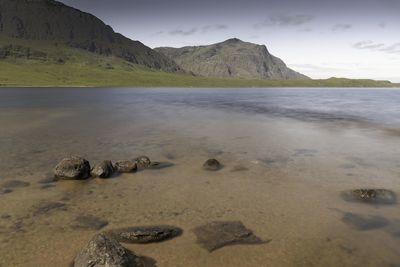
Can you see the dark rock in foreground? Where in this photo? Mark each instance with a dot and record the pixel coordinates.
(364, 223)
(73, 168)
(15, 184)
(371, 196)
(212, 165)
(88, 222)
(103, 169)
(103, 251)
(216, 235)
(145, 234)
(125, 166)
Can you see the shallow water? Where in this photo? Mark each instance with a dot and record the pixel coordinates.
(287, 155)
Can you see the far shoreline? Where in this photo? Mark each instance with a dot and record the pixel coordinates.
(396, 87)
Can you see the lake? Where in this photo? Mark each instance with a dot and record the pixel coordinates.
(288, 155)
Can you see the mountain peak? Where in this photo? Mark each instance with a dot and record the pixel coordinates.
(231, 58)
(233, 40)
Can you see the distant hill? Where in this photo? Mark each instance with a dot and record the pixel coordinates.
(58, 24)
(232, 58)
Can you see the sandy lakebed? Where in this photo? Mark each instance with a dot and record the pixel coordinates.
(287, 155)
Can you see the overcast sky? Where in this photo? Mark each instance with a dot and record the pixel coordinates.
(342, 38)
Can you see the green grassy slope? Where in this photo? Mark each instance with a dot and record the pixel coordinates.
(40, 64)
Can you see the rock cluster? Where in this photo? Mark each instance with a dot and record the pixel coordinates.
(104, 249)
(78, 168)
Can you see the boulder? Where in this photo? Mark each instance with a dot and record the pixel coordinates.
(212, 165)
(103, 169)
(125, 166)
(73, 168)
(143, 162)
(145, 234)
(103, 251)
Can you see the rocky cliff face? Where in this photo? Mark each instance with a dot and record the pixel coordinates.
(49, 20)
(232, 58)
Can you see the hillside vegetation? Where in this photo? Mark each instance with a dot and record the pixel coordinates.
(40, 63)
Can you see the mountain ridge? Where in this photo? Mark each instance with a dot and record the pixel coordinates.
(56, 22)
(231, 58)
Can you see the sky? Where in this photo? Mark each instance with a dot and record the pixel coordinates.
(319, 38)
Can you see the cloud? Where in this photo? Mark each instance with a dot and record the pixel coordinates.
(382, 25)
(285, 21)
(215, 27)
(305, 30)
(392, 49)
(195, 30)
(184, 32)
(341, 27)
(370, 45)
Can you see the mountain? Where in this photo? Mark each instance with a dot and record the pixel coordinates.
(54, 23)
(232, 58)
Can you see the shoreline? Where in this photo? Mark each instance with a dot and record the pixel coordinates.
(396, 87)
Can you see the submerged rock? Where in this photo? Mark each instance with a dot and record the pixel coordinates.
(47, 186)
(73, 168)
(212, 165)
(216, 235)
(46, 207)
(88, 222)
(363, 222)
(143, 162)
(239, 168)
(160, 165)
(103, 169)
(15, 184)
(145, 234)
(4, 191)
(371, 196)
(47, 180)
(125, 166)
(103, 251)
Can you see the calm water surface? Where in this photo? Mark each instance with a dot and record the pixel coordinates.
(287, 154)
